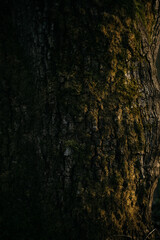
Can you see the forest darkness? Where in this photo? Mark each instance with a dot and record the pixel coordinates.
(79, 118)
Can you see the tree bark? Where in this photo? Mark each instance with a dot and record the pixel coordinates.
(80, 116)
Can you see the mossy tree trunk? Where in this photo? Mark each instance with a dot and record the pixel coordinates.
(80, 123)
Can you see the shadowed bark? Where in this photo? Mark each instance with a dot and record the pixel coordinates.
(80, 114)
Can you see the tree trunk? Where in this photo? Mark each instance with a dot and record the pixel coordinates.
(79, 118)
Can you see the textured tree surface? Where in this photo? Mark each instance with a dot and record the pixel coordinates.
(79, 118)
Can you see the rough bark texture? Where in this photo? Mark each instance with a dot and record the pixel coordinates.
(80, 113)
